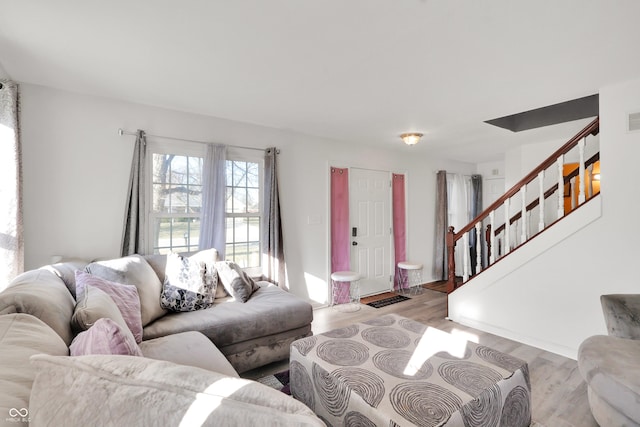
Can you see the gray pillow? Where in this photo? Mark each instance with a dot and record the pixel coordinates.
(235, 281)
(66, 271)
(133, 270)
(188, 286)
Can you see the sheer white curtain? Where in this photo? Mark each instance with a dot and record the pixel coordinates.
(212, 215)
(459, 211)
(11, 239)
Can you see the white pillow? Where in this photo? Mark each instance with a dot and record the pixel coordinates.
(187, 286)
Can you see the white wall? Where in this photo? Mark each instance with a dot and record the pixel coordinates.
(521, 160)
(76, 171)
(492, 181)
(3, 73)
(552, 300)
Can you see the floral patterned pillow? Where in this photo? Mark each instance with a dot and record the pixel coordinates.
(188, 285)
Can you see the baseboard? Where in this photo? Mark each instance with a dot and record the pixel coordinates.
(552, 347)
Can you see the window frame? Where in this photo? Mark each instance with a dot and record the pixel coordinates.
(192, 149)
(156, 147)
(252, 156)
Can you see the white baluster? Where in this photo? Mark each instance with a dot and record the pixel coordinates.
(561, 186)
(478, 247)
(492, 238)
(465, 256)
(583, 181)
(541, 201)
(573, 191)
(507, 228)
(523, 195)
(590, 188)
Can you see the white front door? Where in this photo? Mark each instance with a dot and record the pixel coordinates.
(370, 218)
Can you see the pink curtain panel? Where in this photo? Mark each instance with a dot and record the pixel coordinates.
(399, 225)
(340, 236)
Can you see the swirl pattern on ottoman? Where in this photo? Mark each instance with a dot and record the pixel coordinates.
(394, 363)
(301, 385)
(447, 355)
(343, 352)
(356, 419)
(424, 404)
(386, 337)
(516, 410)
(348, 332)
(505, 361)
(334, 395)
(366, 384)
(305, 345)
(484, 410)
(412, 325)
(469, 377)
(381, 321)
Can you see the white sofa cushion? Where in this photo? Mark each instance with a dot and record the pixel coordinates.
(188, 348)
(22, 336)
(126, 390)
(43, 295)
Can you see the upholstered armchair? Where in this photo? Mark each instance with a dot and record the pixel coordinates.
(610, 365)
(622, 315)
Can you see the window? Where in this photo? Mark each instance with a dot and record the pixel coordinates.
(243, 208)
(176, 199)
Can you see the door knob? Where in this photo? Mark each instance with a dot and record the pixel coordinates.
(354, 243)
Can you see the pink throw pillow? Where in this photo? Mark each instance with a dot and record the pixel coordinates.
(125, 296)
(104, 337)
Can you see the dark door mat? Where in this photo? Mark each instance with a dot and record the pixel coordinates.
(387, 301)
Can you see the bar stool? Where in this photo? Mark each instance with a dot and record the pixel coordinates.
(410, 277)
(345, 291)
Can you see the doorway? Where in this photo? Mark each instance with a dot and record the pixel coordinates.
(370, 226)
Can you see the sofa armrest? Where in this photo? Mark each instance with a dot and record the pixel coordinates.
(622, 315)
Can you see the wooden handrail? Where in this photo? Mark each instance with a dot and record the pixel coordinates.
(591, 129)
(452, 237)
(550, 192)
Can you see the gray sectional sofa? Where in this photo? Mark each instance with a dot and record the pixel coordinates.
(610, 364)
(208, 346)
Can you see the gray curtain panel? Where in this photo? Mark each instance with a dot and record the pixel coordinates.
(11, 237)
(134, 220)
(212, 215)
(274, 267)
(440, 267)
(475, 242)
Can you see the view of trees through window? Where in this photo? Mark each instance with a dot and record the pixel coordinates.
(243, 213)
(177, 200)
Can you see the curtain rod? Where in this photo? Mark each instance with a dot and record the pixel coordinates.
(122, 132)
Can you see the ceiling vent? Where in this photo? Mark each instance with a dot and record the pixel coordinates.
(634, 122)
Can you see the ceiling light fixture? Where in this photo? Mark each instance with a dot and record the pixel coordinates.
(411, 138)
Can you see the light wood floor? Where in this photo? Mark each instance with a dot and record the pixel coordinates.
(559, 394)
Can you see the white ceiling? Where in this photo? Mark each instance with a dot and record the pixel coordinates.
(358, 71)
